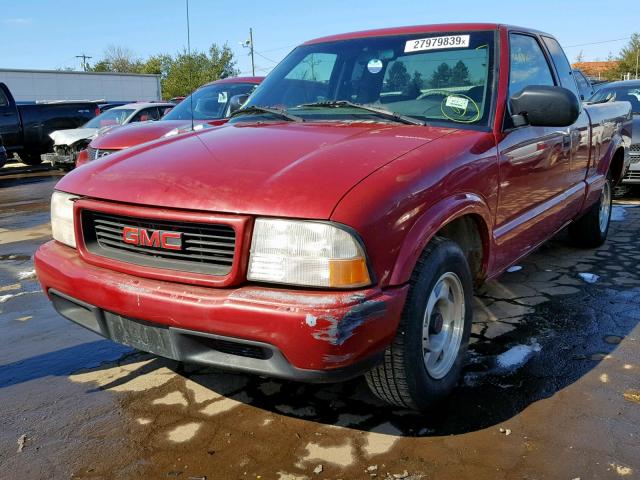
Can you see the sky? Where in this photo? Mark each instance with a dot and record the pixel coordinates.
(48, 34)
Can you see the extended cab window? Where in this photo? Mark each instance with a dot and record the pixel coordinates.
(528, 64)
(565, 73)
(437, 78)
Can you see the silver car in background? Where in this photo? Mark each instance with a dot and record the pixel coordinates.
(626, 91)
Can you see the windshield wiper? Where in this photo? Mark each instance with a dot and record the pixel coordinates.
(273, 111)
(398, 117)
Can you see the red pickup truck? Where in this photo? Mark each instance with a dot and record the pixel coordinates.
(337, 223)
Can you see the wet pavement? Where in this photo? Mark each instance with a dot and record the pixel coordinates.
(551, 388)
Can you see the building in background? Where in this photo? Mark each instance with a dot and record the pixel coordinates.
(48, 85)
(596, 70)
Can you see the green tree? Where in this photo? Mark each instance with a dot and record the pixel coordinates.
(180, 74)
(398, 77)
(460, 74)
(441, 77)
(629, 57)
(415, 85)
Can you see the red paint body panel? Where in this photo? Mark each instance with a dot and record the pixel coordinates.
(396, 185)
(276, 169)
(270, 315)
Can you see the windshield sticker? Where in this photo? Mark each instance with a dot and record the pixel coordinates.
(433, 43)
(460, 108)
(374, 65)
(222, 97)
(457, 102)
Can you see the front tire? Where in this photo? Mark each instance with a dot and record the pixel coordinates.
(423, 364)
(590, 230)
(30, 158)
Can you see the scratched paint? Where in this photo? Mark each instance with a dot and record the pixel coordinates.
(340, 330)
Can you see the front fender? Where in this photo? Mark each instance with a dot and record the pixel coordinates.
(434, 219)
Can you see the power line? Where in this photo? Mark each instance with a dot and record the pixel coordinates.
(279, 48)
(266, 58)
(598, 43)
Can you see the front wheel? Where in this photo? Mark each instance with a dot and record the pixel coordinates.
(591, 229)
(423, 364)
(30, 158)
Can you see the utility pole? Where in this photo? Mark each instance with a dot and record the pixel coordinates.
(249, 44)
(84, 60)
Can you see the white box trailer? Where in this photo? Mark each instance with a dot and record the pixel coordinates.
(51, 85)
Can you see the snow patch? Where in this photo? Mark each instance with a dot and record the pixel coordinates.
(26, 274)
(589, 277)
(517, 356)
(514, 268)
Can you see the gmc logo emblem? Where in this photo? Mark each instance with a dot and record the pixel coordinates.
(152, 238)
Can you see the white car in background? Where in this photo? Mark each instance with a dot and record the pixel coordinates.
(67, 143)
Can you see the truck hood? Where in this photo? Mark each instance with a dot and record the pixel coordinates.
(125, 136)
(279, 169)
(71, 136)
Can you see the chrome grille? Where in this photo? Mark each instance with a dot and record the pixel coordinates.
(205, 248)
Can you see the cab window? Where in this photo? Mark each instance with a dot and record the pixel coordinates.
(565, 73)
(528, 64)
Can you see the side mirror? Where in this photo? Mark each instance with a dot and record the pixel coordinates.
(237, 101)
(544, 106)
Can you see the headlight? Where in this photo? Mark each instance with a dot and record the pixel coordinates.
(62, 218)
(306, 253)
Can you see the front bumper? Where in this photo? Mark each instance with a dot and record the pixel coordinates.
(56, 159)
(296, 334)
(632, 177)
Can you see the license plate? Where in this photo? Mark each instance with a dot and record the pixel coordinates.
(145, 337)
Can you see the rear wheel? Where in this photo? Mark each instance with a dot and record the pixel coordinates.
(591, 229)
(423, 364)
(30, 158)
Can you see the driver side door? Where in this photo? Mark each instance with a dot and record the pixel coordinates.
(534, 163)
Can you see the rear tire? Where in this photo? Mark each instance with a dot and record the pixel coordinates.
(30, 158)
(590, 230)
(423, 364)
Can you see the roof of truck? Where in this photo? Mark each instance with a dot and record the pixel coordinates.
(434, 28)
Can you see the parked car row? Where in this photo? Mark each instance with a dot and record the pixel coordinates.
(67, 143)
(25, 129)
(334, 223)
(205, 107)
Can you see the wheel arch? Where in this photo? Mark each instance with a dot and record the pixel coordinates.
(465, 219)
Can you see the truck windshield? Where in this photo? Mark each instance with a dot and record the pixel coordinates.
(209, 102)
(629, 94)
(433, 78)
(115, 116)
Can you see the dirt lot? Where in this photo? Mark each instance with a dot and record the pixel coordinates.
(551, 389)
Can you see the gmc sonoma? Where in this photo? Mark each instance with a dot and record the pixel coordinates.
(336, 224)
